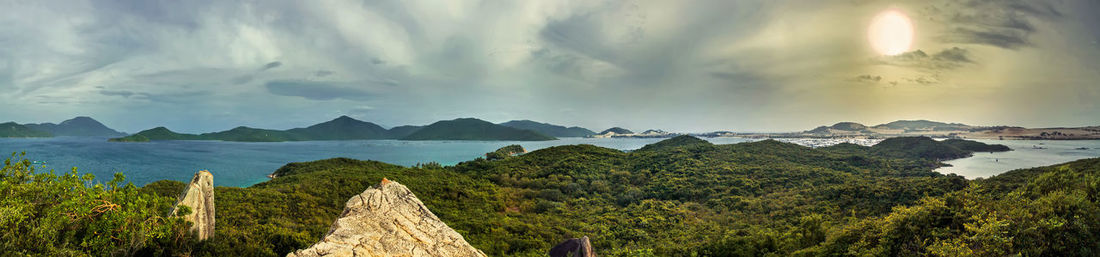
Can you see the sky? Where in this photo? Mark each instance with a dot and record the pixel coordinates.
(689, 66)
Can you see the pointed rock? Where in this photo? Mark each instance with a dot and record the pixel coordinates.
(575, 247)
(388, 220)
(199, 197)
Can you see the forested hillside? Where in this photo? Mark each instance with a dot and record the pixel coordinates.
(686, 198)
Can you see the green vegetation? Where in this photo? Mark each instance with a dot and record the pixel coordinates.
(549, 129)
(928, 148)
(47, 214)
(1046, 211)
(617, 130)
(681, 197)
(975, 146)
(158, 133)
(11, 129)
(505, 152)
(246, 134)
(342, 128)
(678, 141)
(474, 129)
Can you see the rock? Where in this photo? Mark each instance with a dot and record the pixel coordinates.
(575, 247)
(199, 196)
(388, 220)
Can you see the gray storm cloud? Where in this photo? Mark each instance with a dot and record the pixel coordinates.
(688, 66)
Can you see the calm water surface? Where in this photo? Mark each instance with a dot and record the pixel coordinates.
(244, 164)
(1024, 154)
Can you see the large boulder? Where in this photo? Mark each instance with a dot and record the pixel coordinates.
(574, 247)
(388, 220)
(199, 197)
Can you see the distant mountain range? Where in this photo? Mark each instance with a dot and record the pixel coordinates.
(474, 129)
(347, 128)
(80, 126)
(549, 129)
(12, 129)
(903, 126)
(908, 128)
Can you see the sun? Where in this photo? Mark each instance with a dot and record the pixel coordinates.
(891, 32)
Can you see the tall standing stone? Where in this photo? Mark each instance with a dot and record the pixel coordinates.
(199, 196)
(574, 247)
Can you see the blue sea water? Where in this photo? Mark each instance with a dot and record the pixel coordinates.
(242, 164)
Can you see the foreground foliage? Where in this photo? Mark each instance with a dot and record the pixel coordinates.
(678, 198)
(687, 198)
(49, 214)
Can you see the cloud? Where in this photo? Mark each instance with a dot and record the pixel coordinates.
(947, 59)
(641, 62)
(1001, 23)
(271, 65)
(122, 93)
(317, 90)
(868, 78)
(953, 55)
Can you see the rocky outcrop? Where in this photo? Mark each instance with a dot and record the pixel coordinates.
(388, 220)
(199, 197)
(575, 247)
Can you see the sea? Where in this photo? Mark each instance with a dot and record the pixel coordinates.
(241, 164)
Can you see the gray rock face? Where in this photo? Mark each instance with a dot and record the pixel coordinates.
(575, 247)
(388, 220)
(199, 196)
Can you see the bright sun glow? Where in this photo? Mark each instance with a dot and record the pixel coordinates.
(891, 33)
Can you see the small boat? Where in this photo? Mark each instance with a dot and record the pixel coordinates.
(1037, 147)
(1081, 148)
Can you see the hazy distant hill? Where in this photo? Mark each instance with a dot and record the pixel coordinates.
(347, 128)
(12, 129)
(841, 126)
(79, 126)
(474, 129)
(549, 129)
(247, 134)
(922, 125)
(154, 134)
(402, 131)
(342, 128)
(617, 130)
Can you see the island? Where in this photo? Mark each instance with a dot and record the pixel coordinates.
(81, 126)
(474, 129)
(347, 128)
(549, 129)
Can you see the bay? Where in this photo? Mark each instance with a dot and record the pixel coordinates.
(241, 164)
(1024, 154)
